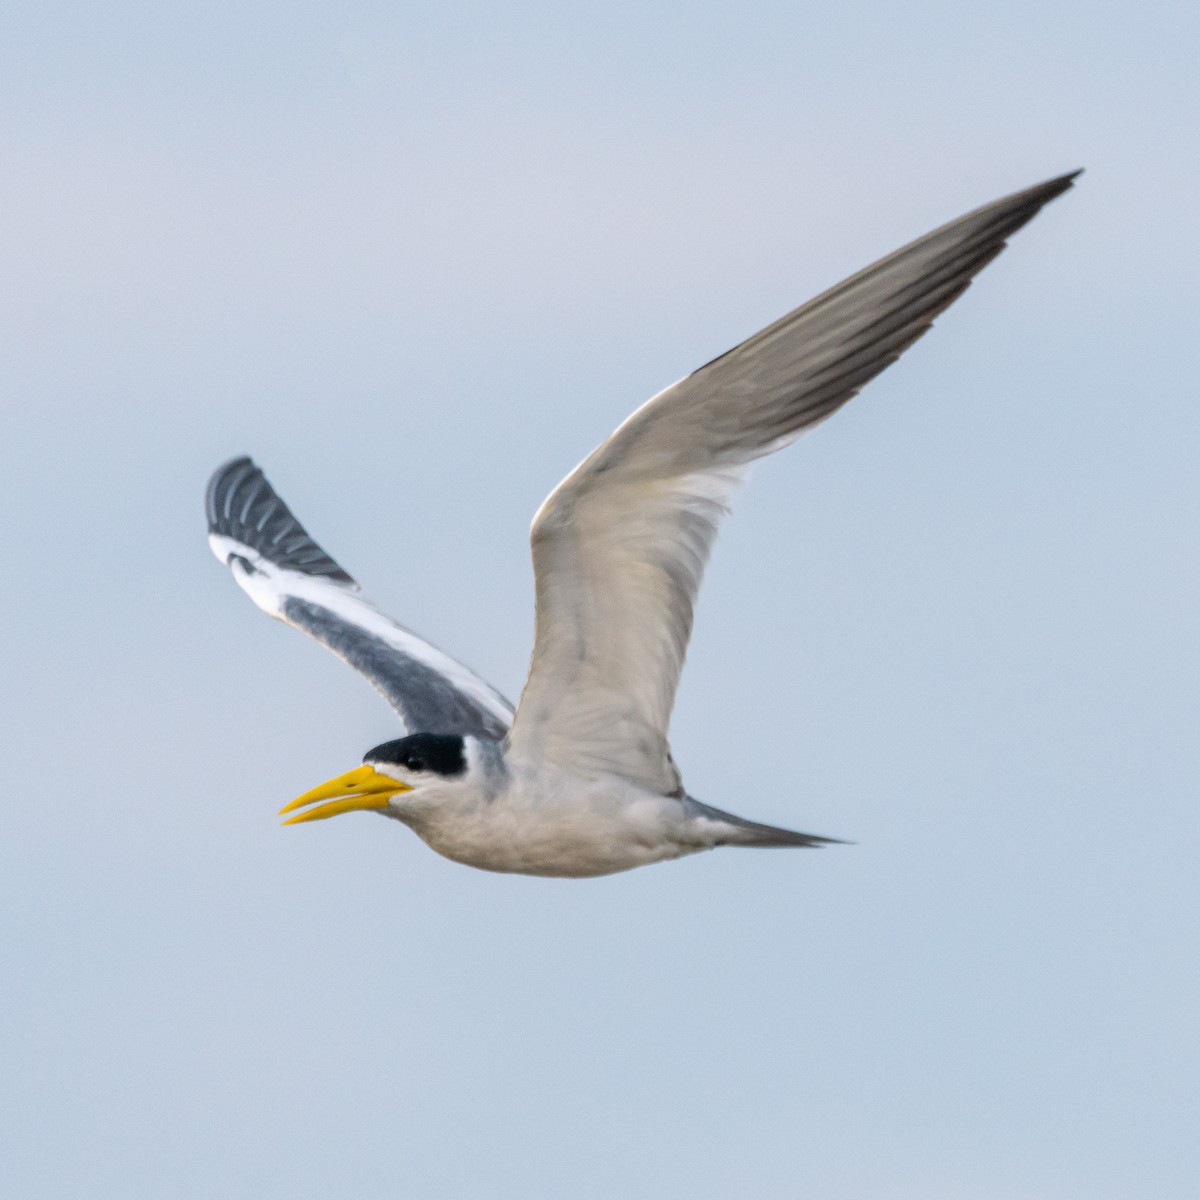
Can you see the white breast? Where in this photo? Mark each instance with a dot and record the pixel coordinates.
(546, 823)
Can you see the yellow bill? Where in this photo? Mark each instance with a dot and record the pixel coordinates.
(363, 788)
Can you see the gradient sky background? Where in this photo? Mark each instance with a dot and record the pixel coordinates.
(418, 260)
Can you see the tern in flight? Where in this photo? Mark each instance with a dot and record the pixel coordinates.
(578, 779)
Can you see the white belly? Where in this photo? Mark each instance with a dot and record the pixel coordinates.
(571, 830)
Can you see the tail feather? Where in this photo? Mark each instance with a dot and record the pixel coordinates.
(754, 833)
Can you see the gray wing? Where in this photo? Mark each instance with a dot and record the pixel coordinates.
(292, 579)
(620, 546)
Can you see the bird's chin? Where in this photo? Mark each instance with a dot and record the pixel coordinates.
(362, 789)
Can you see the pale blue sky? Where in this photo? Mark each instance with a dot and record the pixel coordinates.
(418, 260)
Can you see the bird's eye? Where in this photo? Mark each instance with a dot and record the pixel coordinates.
(416, 763)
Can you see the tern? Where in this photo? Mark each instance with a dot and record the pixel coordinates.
(578, 779)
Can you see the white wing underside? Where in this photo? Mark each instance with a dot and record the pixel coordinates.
(620, 546)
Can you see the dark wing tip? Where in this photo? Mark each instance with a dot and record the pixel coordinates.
(950, 258)
(1059, 184)
(998, 221)
(241, 504)
(1033, 198)
(218, 485)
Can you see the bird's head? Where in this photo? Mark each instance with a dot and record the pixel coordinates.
(421, 764)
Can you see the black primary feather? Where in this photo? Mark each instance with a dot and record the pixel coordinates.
(242, 505)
